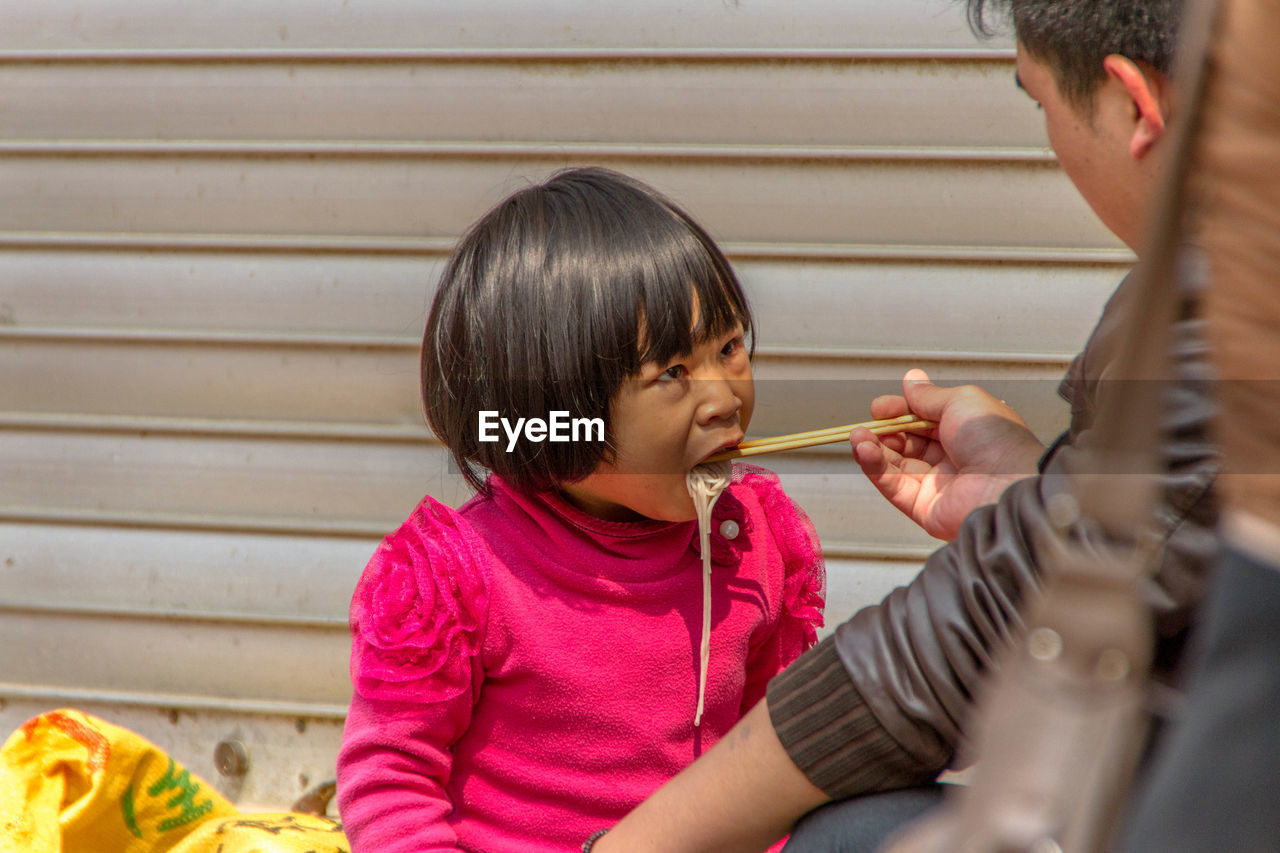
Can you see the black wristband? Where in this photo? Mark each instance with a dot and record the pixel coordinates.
(592, 839)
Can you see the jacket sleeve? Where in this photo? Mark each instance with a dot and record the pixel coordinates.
(417, 623)
(879, 705)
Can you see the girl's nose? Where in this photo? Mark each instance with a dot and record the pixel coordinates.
(719, 400)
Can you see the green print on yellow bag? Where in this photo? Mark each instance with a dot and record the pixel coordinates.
(72, 783)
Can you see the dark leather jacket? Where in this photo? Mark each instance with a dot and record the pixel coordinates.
(915, 660)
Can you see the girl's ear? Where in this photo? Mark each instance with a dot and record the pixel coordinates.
(1146, 91)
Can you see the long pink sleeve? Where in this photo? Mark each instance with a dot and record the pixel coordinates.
(394, 768)
(416, 618)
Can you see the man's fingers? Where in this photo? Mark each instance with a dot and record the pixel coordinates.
(883, 467)
(876, 460)
(923, 397)
(888, 406)
(868, 452)
(912, 445)
(892, 475)
(897, 442)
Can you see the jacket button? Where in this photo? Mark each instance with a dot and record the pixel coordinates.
(729, 529)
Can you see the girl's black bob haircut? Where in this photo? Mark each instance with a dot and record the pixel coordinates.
(554, 298)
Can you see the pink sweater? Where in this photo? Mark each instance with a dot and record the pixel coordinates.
(526, 674)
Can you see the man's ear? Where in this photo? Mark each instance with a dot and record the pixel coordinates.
(1145, 93)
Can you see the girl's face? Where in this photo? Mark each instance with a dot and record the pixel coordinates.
(666, 420)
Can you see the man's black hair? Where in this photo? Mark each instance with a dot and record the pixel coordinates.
(554, 298)
(1074, 36)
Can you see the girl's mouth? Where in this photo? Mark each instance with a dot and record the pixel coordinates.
(722, 447)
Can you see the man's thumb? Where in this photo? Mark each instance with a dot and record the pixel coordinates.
(923, 397)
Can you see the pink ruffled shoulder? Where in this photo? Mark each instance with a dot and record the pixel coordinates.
(417, 615)
(805, 584)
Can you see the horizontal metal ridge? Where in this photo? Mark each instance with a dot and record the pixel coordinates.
(271, 338)
(287, 526)
(237, 428)
(121, 241)
(308, 243)
(219, 337)
(59, 695)
(374, 532)
(504, 54)
(53, 608)
(926, 356)
(839, 550)
(479, 150)
(931, 253)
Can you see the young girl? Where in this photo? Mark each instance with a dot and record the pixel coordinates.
(527, 667)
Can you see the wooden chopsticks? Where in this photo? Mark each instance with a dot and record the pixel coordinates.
(831, 435)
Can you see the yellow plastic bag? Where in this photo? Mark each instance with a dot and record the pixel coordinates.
(73, 783)
(267, 833)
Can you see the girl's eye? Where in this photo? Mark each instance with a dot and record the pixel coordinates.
(735, 349)
(675, 371)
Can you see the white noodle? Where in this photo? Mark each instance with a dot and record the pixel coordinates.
(706, 482)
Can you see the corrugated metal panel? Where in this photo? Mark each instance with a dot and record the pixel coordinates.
(918, 199)
(183, 571)
(355, 383)
(865, 297)
(326, 487)
(388, 25)
(490, 97)
(223, 228)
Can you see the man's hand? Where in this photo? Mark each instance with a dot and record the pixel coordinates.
(937, 478)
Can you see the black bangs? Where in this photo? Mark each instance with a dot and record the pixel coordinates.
(691, 281)
(541, 309)
(638, 265)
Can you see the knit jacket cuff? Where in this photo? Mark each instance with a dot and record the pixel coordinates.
(830, 733)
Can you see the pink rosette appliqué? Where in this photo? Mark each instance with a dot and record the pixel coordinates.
(417, 613)
(804, 590)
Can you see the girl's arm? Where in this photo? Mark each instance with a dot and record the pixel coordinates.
(743, 795)
(392, 771)
(417, 622)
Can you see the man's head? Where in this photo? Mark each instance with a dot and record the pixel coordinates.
(1100, 71)
(1073, 37)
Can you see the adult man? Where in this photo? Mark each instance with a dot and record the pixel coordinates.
(879, 705)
